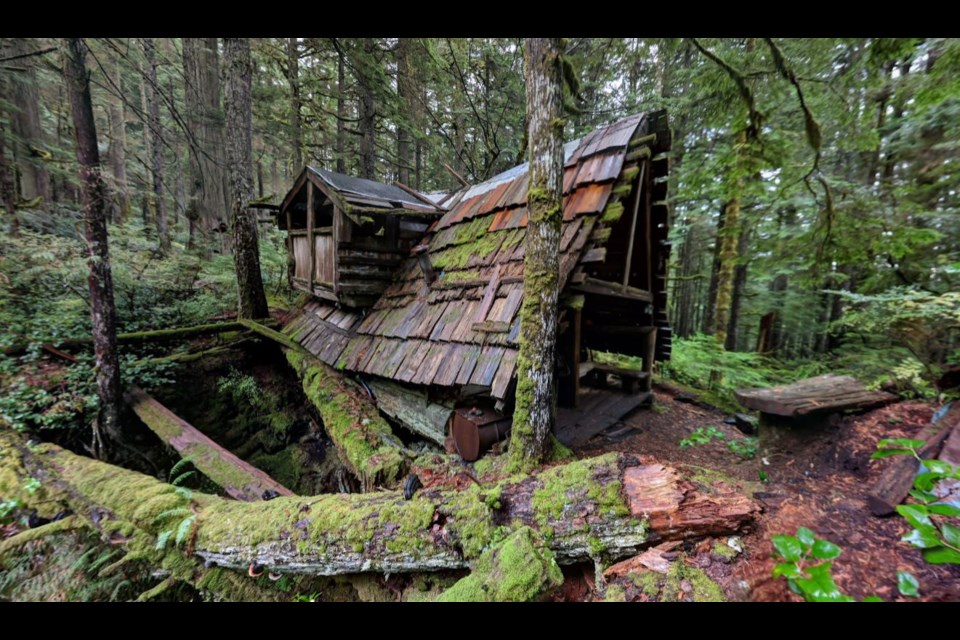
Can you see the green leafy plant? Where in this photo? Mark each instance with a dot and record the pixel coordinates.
(179, 529)
(746, 448)
(7, 509)
(935, 522)
(702, 435)
(806, 563)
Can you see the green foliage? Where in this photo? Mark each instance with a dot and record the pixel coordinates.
(907, 584)
(936, 524)
(812, 581)
(702, 363)
(746, 448)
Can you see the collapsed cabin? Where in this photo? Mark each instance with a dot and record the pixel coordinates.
(421, 300)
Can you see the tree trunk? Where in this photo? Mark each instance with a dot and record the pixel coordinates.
(23, 92)
(296, 130)
(238, 68)
(118, 143)
(8, 181)
(536, 403)
(341, 112)
(739, 285)
(728, 239)
(598, 508)
(405, 95)
(152, 90)
(207, 204)
(103, 312)
(709, 310)
(367, 112)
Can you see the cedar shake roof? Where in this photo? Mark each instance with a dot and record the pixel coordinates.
(462, 328)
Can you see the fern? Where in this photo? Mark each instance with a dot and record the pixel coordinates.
(162, 538)
(184, 529)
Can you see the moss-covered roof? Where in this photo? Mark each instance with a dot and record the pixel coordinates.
(462, 328)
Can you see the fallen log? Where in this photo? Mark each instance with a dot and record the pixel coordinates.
(897, 480)
(139, 337)
(366, 443)
(412, 409)
(609, 506)
(239, 479)
(813, 395)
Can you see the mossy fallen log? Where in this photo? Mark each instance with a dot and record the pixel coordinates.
(365, 441)
(604, 507)
(139, 337)
(239, 479)
(518, 569)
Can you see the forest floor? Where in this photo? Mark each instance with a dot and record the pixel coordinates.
(821, 485)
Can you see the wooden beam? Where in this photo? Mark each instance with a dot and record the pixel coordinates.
(239, 479)
(604, 288)
(459, 178)
(413, 193)
(633, 229)
(311, 258)
(648, 215)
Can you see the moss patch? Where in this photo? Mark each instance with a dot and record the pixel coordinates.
(518, 569)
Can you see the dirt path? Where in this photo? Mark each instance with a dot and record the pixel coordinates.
(821, 485)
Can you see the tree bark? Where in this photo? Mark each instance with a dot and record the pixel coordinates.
(536, 403)
(341, 112)
(405, 95)
(739, 286)
(25, 122)
(118, 143)
(8, 188)
(296, 130)
(152, 89)
(367, 112)
(238, 68)
(597, 508)
(207, 205)
(728, 238)
(103, 311)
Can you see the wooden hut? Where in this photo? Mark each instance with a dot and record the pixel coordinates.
(445, 327)
(358, 233)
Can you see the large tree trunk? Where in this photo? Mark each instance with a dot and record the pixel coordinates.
(599, 508)
(152, 90)
(739, 286)
(238, 68)
(536, 402)
(207, 205)
(118, 142)
(367, 112)
(25, 121)
(341, 112)
(103, 312)
(405, 95)
(8, 184)
(728, 239)
(296, 130)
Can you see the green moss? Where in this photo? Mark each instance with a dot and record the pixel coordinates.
(570, 485)
(457, 257)
(612, 212)
(724, 550)
(518, 569)
(365, 441)
(668, 588)
(285, 466)
(615, 593)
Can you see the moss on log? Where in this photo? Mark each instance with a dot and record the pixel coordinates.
(518, 569)
(365, 441)
(608, 507)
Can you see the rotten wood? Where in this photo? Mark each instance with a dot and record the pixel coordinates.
(412, 409)
(897, 480)
(239, 479)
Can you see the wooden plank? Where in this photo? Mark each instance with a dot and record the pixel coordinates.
(393, 358)
(489, 295)
(613, 290)
(596, 254)
(417, 351)
(633, 230)
(446, 374)
(311, 259)
(469, 363)
(239, 479)
(505, 373)
(486, 367)
(822, 393)
(446, 324)
(354, 349)
(430, 363)
(600, 409)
